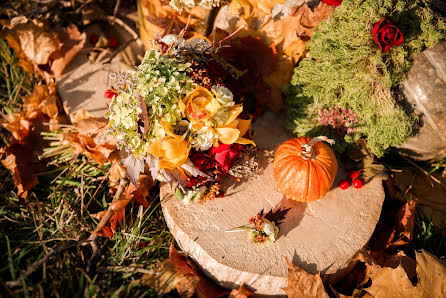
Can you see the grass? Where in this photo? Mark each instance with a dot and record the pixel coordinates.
(58, 217)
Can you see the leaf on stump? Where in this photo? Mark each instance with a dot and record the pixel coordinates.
(72, 42)
(303, 284)
(388, 282)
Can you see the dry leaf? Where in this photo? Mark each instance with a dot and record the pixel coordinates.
(205, 287)
(37, 43)
(157, 18)
(88, 146)
(241, 292)
(429, 195)
(110, 229)
(91, 126)
(166, 278)
(303, 284)
(403, 233)
(73, 41)
(388, 282)
(44, 98)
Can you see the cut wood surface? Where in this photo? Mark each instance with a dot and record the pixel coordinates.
(317, 236)
(84, 82)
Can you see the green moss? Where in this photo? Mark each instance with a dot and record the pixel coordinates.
(347, 69)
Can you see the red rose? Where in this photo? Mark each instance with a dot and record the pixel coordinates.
(333, 2)
(386, 35)
(226, 155)
(202, 161)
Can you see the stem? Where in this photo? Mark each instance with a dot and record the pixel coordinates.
(307, 149)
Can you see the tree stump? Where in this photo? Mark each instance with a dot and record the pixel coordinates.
(84, 82)
(320, 236)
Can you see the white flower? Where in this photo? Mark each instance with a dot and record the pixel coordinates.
(204, 138)
(223, 95)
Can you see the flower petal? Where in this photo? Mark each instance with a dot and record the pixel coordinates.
(227, 135)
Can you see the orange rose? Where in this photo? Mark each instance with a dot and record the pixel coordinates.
(199, 105)
(171, 150)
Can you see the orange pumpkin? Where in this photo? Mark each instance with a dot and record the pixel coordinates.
(305, 168)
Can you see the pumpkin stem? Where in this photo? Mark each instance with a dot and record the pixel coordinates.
(307, 149)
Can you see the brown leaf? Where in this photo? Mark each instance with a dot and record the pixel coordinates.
(166, 278)
(123, 201)
(44, 99)
(429, 195)
(91, 126)
(356, 274)
(205, 287)
(403, 232)
(311, 18)
(179, 261)
(241, 292)
(110, 229)
(431, 275)
(88, 146)
(303, 284)
(73, 41)
(37, 43)
(157, 18)
(388, 282)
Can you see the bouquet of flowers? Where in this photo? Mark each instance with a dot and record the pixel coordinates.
(178, 115)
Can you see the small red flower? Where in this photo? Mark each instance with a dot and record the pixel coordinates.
(386, 35)
(226, 155)
(333, 2)
(110, 93)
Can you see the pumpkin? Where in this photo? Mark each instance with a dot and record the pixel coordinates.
(305, 168)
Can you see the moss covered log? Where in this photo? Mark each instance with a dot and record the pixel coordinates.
(348, 70)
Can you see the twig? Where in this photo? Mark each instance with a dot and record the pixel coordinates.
(115, 11)
(125, 269)
(104, 220)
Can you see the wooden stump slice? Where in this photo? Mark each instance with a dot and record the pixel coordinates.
(320, 236)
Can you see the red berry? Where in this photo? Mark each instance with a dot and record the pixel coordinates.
(344, 184)
(94, 38)
(353, 174)
(113, 42)
(357, 183)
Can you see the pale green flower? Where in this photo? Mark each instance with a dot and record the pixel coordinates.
(223, 95)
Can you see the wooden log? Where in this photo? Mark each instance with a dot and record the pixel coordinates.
(320, 236)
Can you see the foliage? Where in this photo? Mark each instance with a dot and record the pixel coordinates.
(160, 80)
(347, 69)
